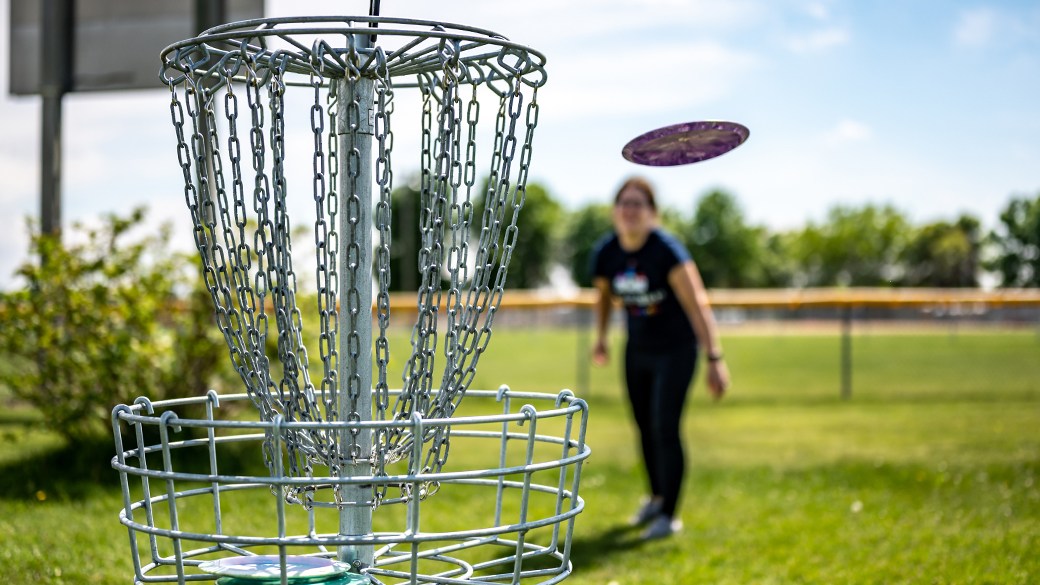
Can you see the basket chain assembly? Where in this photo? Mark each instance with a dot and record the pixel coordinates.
(239, 206)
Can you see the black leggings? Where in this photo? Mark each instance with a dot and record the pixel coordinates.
(657, 384)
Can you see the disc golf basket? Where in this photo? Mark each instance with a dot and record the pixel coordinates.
(353, 468)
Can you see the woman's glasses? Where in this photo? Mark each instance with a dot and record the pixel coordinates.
(631, 204)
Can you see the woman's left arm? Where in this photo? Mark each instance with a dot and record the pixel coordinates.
(686, 281)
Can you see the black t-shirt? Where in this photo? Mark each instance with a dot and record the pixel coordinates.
(640, 279)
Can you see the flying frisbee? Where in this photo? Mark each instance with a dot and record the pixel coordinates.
(682, 144)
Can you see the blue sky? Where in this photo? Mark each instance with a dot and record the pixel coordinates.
(932, 106)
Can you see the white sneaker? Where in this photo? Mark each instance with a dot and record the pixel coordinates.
(650, 509)
(661, 527)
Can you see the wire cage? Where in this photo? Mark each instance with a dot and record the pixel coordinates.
(511, 501)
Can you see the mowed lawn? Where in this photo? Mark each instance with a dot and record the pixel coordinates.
(930, 473)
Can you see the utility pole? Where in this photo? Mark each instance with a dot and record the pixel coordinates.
(55, 81)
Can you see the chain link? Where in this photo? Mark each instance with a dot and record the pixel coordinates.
(356, 272)
(384, 179)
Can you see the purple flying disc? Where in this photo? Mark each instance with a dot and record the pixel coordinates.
(682, 144)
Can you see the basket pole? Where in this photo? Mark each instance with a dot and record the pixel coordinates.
(356, 515)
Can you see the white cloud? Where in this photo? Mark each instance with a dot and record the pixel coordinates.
(20, 149)
(847, 131)
(21, 175)
(818, 10)
(819, 40)
(656, 77)
(975, 28)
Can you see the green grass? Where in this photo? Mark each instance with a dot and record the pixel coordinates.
(929, 474)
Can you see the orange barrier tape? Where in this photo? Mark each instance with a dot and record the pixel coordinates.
(780, 298)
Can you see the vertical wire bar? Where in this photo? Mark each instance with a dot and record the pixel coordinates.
(579, 448)
(171, 492)
(146, 496)
(312, 526)
(562, 484)
(279, 473)
(525, 493)
(503, 396)
(415, 472)
(211, 446)
(124, 483)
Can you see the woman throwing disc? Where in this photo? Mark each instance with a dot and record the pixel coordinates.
(668, 321)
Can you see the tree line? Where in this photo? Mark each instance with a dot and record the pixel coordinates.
(866, 245)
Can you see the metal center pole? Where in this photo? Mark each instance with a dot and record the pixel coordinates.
(355, 156)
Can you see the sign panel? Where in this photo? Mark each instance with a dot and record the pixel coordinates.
(115, 44)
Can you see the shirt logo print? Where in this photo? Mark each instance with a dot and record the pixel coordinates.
(634, 289)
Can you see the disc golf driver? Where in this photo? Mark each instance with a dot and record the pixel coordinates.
(668, 320)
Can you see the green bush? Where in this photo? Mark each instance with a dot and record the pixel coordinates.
(104, 320)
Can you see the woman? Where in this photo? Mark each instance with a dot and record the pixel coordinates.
(668, 319)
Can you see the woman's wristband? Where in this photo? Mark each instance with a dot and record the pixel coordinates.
(715, 357)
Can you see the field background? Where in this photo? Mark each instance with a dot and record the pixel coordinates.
(928, 474)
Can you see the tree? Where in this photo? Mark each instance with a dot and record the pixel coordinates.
(943, 254)
(404, 238)
(104, 322)
(537, 237)
(584, 228)
(854, 247)
(723, 245)
(726, 249)
(778, 265)
(534, 245)
(1017, 240)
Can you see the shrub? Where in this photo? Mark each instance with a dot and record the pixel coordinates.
(103, 321)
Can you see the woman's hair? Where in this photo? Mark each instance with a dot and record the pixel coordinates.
(640, 184)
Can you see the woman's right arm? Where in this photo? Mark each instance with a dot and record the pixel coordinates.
(604, 305)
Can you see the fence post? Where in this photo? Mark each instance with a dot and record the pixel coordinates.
(584, 349)
(846, 351)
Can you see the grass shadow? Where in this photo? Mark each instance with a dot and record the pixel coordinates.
(38, 464)
(64, 471)
(591, 550)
